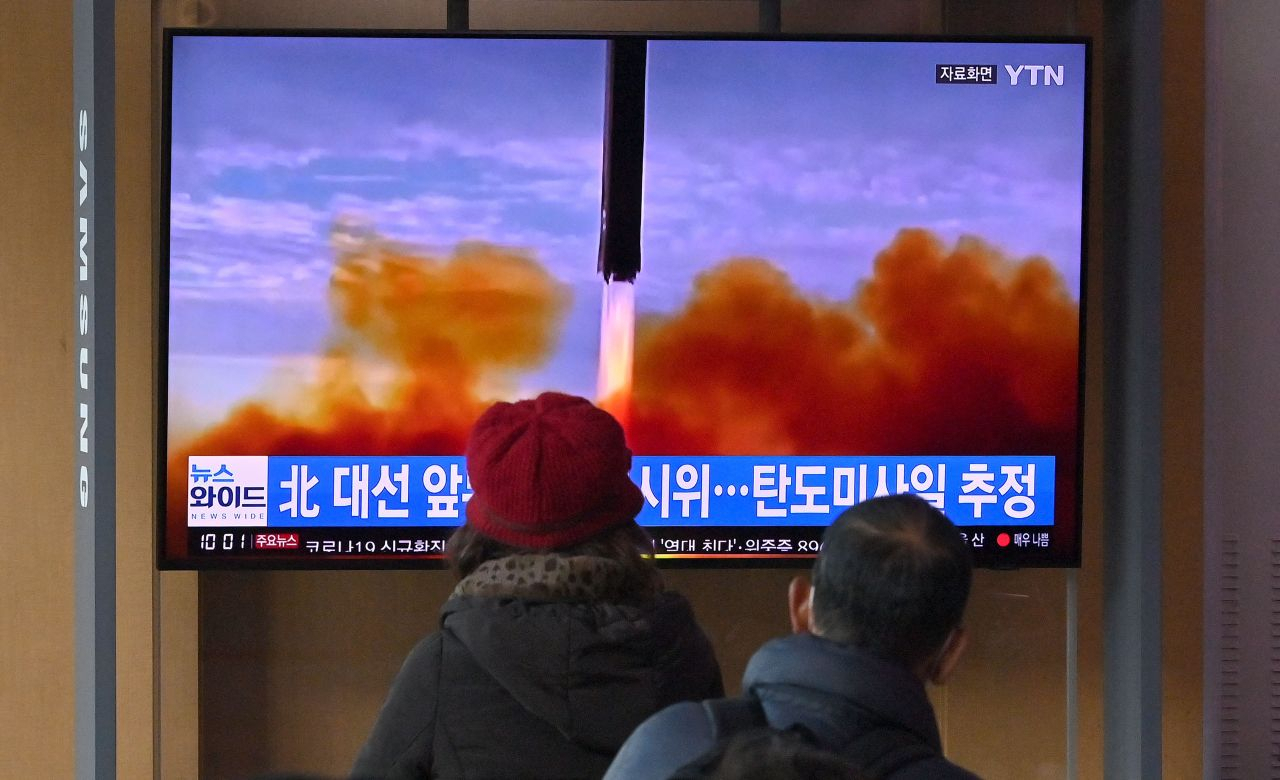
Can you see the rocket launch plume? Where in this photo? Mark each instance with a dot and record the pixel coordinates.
(617, 338)
(941, 351)
(441, 329)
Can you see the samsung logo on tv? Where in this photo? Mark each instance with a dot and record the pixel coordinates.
(82, 331)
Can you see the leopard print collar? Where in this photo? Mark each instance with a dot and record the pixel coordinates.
(551, 577)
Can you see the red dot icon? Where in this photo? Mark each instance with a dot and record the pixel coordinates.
(1003, 540)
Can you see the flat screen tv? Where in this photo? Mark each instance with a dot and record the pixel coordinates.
(801, 272)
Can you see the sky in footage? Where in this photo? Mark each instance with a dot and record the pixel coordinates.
(812, 155)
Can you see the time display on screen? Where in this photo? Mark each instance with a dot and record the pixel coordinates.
(226, 541)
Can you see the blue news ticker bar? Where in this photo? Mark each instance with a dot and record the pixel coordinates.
(301, 492)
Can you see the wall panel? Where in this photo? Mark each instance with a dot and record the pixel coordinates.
(37, 375)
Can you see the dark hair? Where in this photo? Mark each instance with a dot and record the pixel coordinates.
(893, 577)
(628, 544)
(766, 754)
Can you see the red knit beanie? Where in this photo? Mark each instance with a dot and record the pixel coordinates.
(549, 473)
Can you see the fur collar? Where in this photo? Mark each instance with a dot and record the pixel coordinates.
(551, 577)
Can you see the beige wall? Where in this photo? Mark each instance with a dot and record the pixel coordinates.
(155, 613)
(36, 390)
(1183, 312)
(136, 579)
(37, 413)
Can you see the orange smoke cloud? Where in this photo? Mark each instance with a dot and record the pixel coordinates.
(942, 351)
(433, 330)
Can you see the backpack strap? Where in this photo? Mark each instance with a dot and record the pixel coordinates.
(877, 753)
(884, 750)
(727, 717)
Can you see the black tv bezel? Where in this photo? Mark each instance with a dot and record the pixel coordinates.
(1049, 558)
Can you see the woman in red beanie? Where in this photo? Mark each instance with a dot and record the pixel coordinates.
(559, 638)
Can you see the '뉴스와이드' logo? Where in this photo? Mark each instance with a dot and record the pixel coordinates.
(225, 491)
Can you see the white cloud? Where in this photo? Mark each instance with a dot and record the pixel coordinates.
(554, 157)
(564, 156)
(429, 219)
(183, 267)
(228, 248)
(574, 192)
(256, 156)
(356, 178)
(246, 216)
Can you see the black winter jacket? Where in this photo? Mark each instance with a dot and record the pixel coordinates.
(519, 688)
(834, 692)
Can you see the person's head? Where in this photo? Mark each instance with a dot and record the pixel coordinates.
(766, 754)
(892, 578)
(549, 474)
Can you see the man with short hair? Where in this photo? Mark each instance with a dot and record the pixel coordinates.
(881, 618)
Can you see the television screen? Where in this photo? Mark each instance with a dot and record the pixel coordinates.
(800, 272)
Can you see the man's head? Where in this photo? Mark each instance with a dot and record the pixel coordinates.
(892, 578)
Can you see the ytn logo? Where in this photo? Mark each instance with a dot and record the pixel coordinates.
(1040, 75)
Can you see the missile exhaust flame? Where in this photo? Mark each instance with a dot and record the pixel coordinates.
(617, 341)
